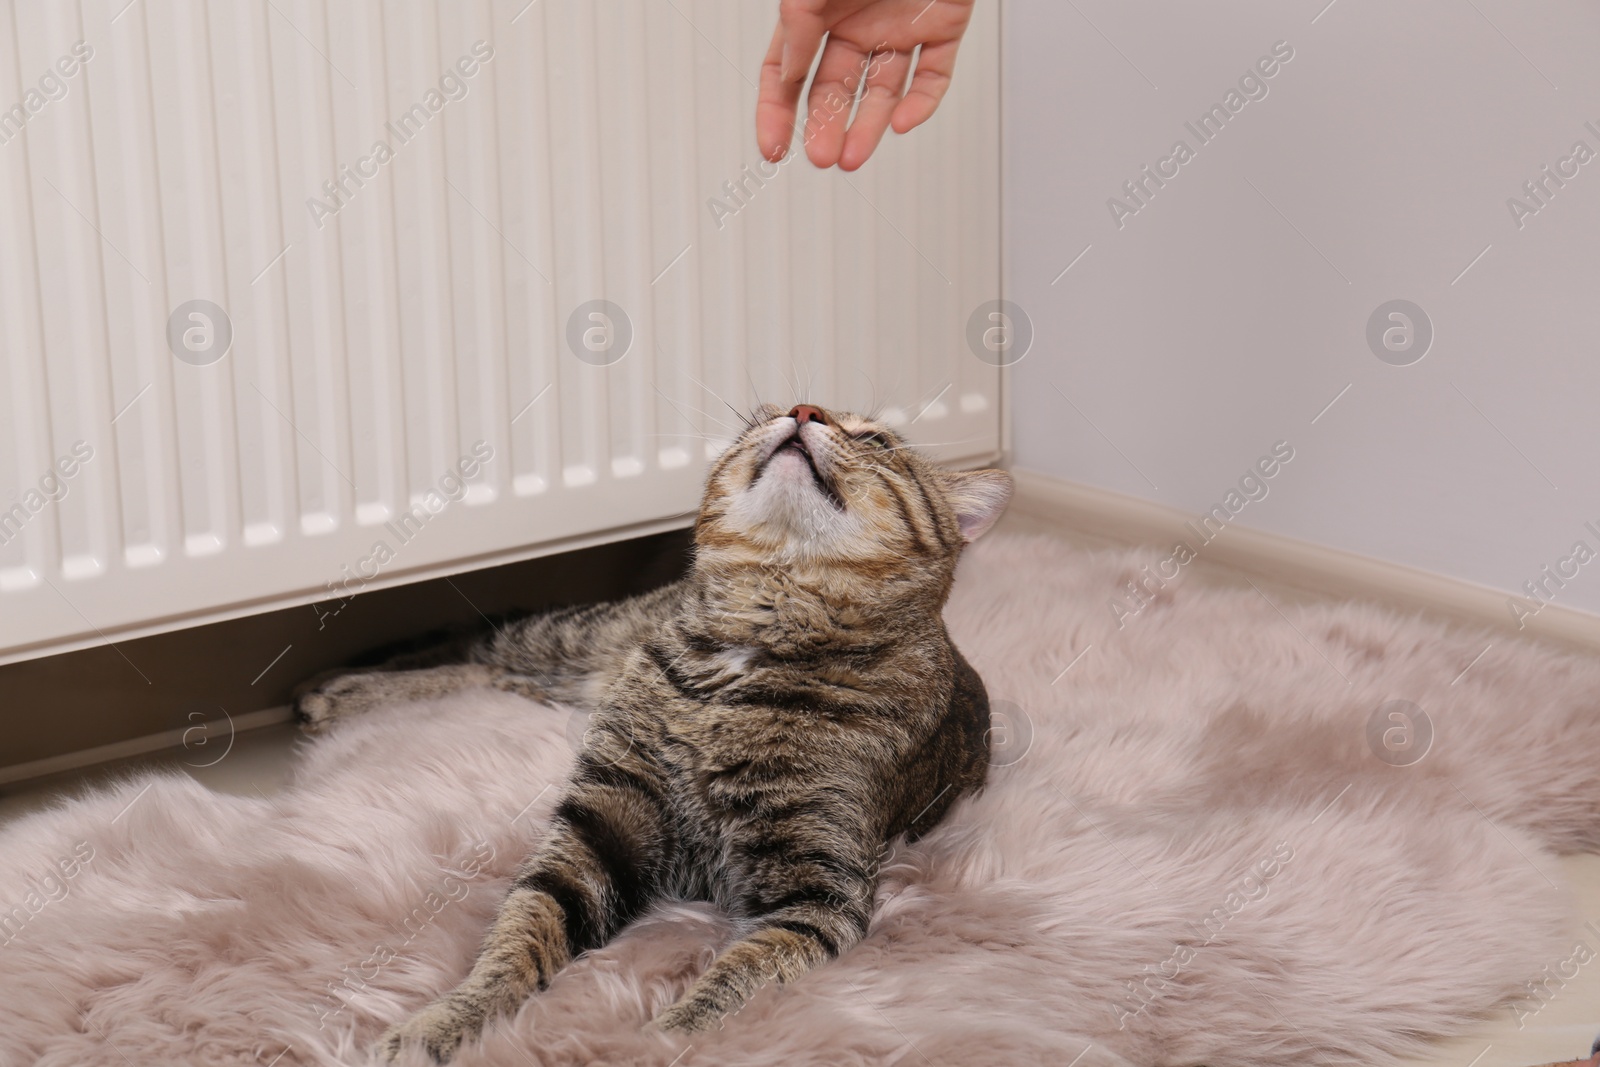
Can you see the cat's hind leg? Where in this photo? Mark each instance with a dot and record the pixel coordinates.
(569, 656)
(337, 694)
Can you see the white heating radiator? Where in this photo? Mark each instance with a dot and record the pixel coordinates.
(176, 173)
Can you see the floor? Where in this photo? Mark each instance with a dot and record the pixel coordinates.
(1561, 1030)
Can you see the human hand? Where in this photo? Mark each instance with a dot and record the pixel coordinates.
(871, 39)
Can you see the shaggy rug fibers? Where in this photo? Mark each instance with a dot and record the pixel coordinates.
(1190, 852)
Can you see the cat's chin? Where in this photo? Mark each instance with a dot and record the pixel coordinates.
(794, 474)
(789, 496)
(793, 522)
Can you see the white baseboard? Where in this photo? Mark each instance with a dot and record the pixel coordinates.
(169, 740)
(1292, 562)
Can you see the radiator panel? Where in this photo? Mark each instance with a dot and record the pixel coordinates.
(424, 306)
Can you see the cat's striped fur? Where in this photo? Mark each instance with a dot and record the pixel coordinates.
(761, 728)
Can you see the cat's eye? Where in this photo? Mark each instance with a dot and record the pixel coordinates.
(875, 438)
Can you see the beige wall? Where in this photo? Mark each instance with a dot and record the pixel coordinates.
(1231, 307)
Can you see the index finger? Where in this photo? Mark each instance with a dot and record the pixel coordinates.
(776, 103)
(801, 28)
(794, 45)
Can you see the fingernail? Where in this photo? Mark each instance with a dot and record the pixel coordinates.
(784, 68)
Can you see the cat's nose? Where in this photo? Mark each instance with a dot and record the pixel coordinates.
(804, 413)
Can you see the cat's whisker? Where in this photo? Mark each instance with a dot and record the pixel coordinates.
(743, 418)
(872, 400)
(754, 391)
(692, 407)
(934, 444)
(802, 395)
(746, 419)
(794, 384)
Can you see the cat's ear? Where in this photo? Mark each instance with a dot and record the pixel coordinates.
(978, 498)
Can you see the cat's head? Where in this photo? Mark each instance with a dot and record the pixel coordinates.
(813, 487)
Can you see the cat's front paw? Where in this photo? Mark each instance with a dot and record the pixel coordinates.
(439, 1029)
(688, 1016)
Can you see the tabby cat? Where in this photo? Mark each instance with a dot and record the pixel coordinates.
(761, 728)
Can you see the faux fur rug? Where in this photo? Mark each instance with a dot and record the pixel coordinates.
(1208, 840)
